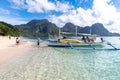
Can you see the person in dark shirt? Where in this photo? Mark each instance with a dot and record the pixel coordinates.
(84, 39)
(38, 42)
(88, 39)
(102, 40)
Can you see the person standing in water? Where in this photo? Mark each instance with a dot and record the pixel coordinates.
(88, 39)
(102, 40)
(84, 39)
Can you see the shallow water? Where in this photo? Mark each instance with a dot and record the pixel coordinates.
(47, 63)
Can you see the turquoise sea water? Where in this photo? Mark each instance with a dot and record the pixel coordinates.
(47, 63)
(70, 64)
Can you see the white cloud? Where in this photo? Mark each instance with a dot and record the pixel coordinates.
(63, 7)
(107, 13)
(18, 4)
(13, 21)
(40, 6)
(102, 11)
(4, 11)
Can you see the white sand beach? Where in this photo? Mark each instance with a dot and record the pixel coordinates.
(9, 49)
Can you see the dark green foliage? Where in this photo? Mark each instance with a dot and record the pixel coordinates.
(44, 27)
(7, 29)
(96, 28)
(69, 27)
(38, 28)
(100, 30)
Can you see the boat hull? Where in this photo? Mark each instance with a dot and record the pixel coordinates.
(74, 44)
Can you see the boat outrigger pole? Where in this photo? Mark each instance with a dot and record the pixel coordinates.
(112, 45)
(92, 47)
(70, 45)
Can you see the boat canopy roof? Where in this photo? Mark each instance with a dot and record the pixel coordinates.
(79, 34)
(83, 34)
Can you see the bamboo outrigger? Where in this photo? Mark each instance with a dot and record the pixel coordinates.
(85, 43)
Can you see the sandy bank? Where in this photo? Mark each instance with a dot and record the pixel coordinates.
(9, 49)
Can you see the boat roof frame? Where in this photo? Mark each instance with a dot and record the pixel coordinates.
(79, 34)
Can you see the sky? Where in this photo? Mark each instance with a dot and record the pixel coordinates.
(79, 12)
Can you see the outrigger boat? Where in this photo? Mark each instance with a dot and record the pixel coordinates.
(86, 42)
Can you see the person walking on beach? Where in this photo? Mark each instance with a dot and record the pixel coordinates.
(38, 42)
(9, 37)
(17, 40)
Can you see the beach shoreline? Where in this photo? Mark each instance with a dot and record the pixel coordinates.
(9, 49)
(27, 61)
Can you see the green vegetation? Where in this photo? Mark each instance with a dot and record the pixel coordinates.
(38, 28)
(43, 28)
(7, 29)
(96, 28)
